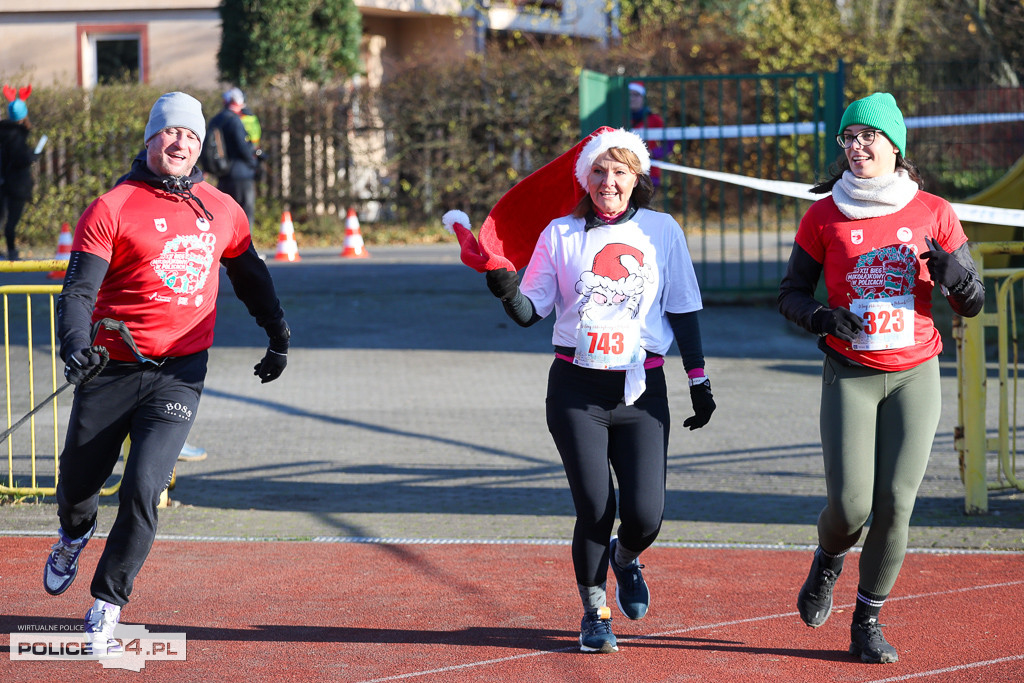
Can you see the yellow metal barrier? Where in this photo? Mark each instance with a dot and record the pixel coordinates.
(972, 440)
(20, 360)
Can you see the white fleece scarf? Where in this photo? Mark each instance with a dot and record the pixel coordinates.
(860, 198)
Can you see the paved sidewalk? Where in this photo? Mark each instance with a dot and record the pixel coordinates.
(412, 408)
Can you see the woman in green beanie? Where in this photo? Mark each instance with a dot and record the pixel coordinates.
(882, 245)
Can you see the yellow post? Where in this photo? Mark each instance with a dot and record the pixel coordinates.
(972, 390)
(973, 442)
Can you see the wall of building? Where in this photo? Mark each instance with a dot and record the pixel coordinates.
(44, 47)
(43, 39)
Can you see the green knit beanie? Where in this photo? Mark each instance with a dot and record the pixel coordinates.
(878, 111)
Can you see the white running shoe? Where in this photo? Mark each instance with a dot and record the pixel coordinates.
(100, 622)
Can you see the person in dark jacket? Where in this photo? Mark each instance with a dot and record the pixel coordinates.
(240, 180)
(16, 159)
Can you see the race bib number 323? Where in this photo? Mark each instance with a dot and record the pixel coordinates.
(888, 323)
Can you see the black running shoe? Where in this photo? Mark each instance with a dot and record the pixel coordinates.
(867, 642)
(815, 598)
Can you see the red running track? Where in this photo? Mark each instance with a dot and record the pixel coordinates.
(353, 612)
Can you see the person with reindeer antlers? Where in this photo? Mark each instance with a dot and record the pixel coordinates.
(16, 158)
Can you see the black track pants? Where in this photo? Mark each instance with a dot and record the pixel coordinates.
(155, 407)
(596, 434)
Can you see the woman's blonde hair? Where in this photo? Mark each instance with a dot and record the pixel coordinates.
(642, 194)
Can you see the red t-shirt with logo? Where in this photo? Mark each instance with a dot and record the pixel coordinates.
(164, 261)
(875, 258)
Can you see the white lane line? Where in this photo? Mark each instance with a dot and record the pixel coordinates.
(702, 627)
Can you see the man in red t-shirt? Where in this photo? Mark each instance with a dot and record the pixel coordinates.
(146, 254)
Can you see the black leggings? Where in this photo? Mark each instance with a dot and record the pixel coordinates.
(594, 429)
(156, 407)
(10, 213)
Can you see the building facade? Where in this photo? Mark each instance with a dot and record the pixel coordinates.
(174, 43)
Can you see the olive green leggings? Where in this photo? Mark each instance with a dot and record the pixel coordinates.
(876, 435)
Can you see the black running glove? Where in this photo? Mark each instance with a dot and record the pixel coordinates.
(703, 405)
(276, 358)
(85, 364)
(841, 323)
(503, 283)
(942, 265)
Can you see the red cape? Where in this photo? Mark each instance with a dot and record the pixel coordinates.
(510, 231)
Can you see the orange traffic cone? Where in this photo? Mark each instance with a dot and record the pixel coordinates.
(63, 251)
(287, 249)
(353, 247)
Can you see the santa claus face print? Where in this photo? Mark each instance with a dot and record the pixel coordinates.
(611, 184)
(612, 289)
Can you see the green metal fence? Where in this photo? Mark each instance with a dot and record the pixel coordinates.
(776, 126)
(967, 131)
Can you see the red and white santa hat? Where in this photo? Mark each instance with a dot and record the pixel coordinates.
(599, 144)
(510, 231)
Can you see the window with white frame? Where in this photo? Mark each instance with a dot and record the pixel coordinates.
(112, 53)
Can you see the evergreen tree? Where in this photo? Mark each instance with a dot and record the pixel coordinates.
(289, 41)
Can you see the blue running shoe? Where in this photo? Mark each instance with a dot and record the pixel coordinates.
(62, 564)
(596, 632)
(100, 622)
(190, 453)
(631, 593)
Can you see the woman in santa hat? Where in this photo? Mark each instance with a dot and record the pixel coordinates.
(619, 280)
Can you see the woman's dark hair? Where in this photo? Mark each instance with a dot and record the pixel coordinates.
(643, 192)
(842, 164)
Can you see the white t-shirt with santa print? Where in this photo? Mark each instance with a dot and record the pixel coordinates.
(634, 271)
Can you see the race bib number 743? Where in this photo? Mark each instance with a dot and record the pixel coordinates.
(607, 346)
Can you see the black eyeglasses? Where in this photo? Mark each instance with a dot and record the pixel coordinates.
(865, 138)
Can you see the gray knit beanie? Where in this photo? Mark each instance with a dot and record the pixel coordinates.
(176, 110)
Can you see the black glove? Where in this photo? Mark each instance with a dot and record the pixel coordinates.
(503, 283)
(84, 364)
(276, 358)
(842, 323)
(942, 265)
(703, 405)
